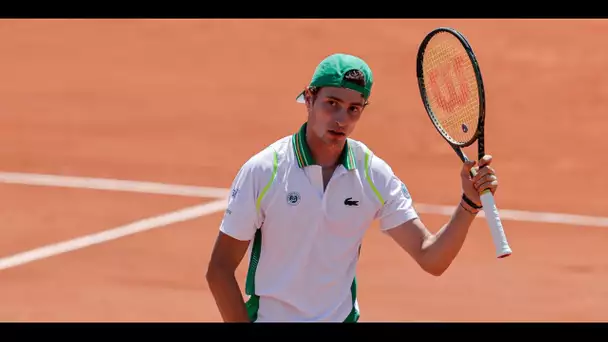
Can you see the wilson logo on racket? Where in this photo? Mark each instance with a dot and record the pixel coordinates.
(440, 78)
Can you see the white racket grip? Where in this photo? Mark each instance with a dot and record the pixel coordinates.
(498, 235)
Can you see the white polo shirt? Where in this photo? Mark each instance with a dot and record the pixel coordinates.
(305, 242)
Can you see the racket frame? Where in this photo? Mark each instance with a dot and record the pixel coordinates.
(500, 241)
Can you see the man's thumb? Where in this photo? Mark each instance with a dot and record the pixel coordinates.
(466, 168)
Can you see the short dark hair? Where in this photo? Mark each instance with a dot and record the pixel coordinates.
(354, 76)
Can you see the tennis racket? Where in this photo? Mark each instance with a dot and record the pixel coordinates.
(453, 95)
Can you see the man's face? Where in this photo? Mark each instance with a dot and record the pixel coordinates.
(334, 114)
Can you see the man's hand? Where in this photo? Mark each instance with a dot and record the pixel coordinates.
(484, 179)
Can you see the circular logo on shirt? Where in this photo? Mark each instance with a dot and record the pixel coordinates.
(293, 198)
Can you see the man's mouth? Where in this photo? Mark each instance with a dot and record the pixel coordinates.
(336, 133)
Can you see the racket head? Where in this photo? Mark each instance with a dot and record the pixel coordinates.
(451, 86)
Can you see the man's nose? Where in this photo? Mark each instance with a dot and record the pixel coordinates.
(340, 117)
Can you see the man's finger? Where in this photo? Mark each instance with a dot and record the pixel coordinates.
(488, 178)
(485, 160)
(488, 170)
(488, 185)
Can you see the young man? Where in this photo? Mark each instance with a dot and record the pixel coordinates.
(302, 205)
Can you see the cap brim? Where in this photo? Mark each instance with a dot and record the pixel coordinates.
(300, 98)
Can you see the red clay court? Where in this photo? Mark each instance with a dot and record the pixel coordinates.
(172, 108)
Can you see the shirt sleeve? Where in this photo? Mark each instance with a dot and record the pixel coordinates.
(397, 207)
(241, 218)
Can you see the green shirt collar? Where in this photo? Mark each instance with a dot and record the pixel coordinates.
(304, 157)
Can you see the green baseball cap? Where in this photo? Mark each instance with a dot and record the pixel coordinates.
(330, 73)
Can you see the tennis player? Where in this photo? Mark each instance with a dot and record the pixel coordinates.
(301, 207)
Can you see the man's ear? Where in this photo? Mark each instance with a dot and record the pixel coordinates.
(308, 99)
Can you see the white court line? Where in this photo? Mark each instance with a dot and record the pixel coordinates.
(112, 234)
(111, 184)
(199, 191)
(206, 209)
(523, 216)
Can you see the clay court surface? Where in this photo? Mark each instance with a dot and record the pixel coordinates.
(187, 102)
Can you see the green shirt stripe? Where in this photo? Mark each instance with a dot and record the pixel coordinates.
(304, 156)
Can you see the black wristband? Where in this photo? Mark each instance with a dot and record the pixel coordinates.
(463, 207)
(469, 202)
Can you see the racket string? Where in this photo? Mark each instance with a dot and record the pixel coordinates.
(451, 86)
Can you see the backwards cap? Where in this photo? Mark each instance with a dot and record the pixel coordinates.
(330, 73)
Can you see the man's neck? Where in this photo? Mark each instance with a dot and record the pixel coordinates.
(324, 155)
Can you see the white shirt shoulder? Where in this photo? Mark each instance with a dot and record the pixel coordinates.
(243, 215)
(396, 200)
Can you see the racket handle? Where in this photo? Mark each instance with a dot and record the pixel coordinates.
(498, 235)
